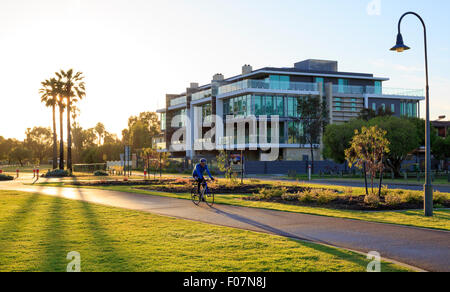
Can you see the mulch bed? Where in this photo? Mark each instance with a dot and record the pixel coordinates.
(355, 203)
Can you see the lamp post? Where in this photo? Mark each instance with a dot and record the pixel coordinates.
(400, 47)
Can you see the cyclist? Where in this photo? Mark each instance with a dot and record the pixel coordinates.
(198, 172)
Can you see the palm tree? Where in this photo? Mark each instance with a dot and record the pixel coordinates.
(100, 130)
(73, 89)
(49, 96)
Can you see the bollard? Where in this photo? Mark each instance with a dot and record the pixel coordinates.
(37, 174)
(34, 173)
(309, 172)
(145, 174)
(17, 173)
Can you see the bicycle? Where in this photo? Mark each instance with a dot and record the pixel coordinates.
(205, 194)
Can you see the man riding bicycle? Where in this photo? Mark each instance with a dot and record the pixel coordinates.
(198, 172)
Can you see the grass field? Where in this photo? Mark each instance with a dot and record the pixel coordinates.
(441, 220)
(37, 232)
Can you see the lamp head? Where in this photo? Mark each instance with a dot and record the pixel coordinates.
(400, 46)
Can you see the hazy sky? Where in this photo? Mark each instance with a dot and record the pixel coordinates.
(134, 52)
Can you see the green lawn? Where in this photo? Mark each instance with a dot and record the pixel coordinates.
(441, 220)
(37, 232)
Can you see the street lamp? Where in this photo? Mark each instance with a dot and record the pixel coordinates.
(400, 47)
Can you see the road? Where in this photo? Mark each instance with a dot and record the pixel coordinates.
(426, 249)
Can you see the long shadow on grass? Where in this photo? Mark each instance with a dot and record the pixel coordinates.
(55, 245)
(265, 227)
(109, 256)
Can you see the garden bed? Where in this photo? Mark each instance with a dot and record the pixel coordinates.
(343, 199)
(355, 203)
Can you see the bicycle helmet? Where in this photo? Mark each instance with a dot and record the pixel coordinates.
(203, 160)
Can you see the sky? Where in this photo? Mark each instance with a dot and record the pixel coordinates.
(134, 52)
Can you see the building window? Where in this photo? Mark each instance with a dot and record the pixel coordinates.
(353, 107)
(279, 82)
(374, 106)
(383, 106)
(342, 85)
(163, 121)
(378, 87)
(393, 108)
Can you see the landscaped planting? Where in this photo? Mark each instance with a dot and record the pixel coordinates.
(4, 177)
(345, 198)
(56, 173)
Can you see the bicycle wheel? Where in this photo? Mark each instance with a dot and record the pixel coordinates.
(194, 196)
(209, 197)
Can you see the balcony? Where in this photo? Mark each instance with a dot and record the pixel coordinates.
(250, 84)
(201, 95)
(178, 101)
(360, 90)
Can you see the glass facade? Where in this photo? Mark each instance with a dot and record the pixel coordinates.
(178, 101)
(342, 83)
(163, 121)
(377, 87)
(408, 109)
(181, 123)
(258, 105)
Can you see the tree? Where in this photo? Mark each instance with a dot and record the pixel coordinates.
(39, 141)
(140, 136)
(146, 124)
(419, 125)
(314, 118)
(441, 148)
(100, 130)
(49, 96)
(337, 139)
(367, 114)
(368, 149)
(20, 154)
(73, 89)
(403, 139)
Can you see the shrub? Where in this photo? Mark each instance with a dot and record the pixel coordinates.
(57, 173)
(412, 197)
(4, 177)
(289, 197)
(100, 173)
(393, 199)
(372, 199)
(266, 194)
(307, 196)
(439, 198)
(326, 196)
(384, 191)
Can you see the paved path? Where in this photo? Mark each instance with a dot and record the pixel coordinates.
(426, 249)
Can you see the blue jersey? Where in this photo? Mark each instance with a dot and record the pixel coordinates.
(199, 171)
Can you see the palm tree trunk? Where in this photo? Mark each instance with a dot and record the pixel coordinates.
(55, 140)
(61, 139)
(69, 139)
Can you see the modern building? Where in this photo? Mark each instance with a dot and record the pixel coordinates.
(269, 91)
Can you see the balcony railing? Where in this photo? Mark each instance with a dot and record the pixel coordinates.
(178, 101)
(201, 94)
(267, 85)
(395, 91)
(351, 89)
